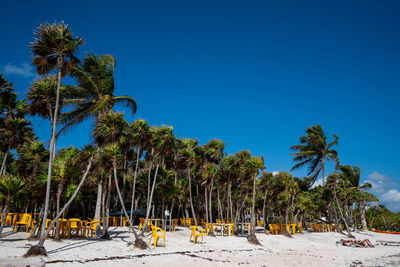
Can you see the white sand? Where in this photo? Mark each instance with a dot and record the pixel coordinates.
(308, 249)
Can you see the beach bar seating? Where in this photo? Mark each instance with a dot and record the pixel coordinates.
(74, 225)
(91, 227)
(155, 233)
(196, 232)
(24, 221)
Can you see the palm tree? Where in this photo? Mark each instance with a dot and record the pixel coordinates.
(93, 96)
(252, 166)
(10, 187)
(352, 174)
(108, 132)
(140, 135)
(162, 145)
(188, 156)
(53, 49)
(314, 151)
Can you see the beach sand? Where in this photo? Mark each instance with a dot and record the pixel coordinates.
(307, 249)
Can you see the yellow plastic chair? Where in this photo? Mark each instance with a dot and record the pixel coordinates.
(25, 221)
(175, 224)
(188, 222)
(9, 219)
(74, 225)
(300, 227)
(141, 223)
(218, 221)
(291, 228)
(92, 228)
(228, 229)
(124, 221)
(195, 234)
(154, 233)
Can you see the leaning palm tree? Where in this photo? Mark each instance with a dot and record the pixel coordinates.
(314, 151)
(53, 49)
(93, 96)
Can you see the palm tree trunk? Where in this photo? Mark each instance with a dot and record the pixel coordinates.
(122, 203)
(3, 164)
(210, 206)
(190, 196)
(107, 215)
(363, 221)
(253, 217)
(264, 202)
(98, 203)
(323, 172)
(149, 201)
(59, 191)
(52, 148)
(134, 181)
(205, 202)
(4, 216)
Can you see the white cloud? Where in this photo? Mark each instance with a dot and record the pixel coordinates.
(275, 173)
(24, 69)
(381, 183)
(392, 199)
(384, 187)
(317, 182)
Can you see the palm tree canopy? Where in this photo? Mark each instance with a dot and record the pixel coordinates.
(110, 127)
(54, 47)
(94, 93)
(313, 150)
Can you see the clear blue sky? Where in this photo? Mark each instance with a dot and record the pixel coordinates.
(252, 73)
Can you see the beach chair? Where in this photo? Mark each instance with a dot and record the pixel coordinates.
(124, 221)
(175, 224)
(300, 227)
(196, 234)
(228, 229)
(74, 225)
(9, 219)
(188, 222)
(218, 221)
(91, 227)
(154, 233)
(182, 221)
(25, 221)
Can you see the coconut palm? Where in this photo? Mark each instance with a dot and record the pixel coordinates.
(314, 151)
(109, 130)
(93, 96)
(188, 157)
(162, 145)
(140, 135)
(10, 187)
(53, 49)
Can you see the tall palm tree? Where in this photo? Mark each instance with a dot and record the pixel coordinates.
(188, 156)
(352, 175)
(108, 132)
(314, 151)
(54, 48)
(140, 135)
(93, 96)
(162, 145)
